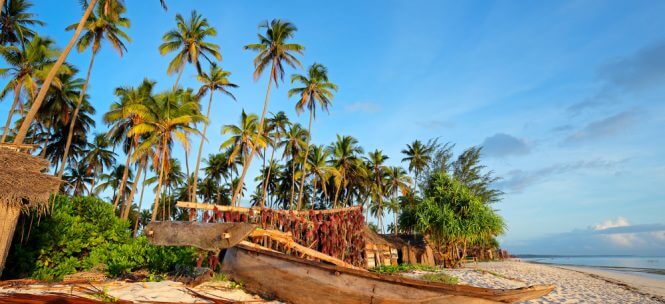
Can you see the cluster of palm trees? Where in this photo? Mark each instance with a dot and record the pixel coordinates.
(52, 111)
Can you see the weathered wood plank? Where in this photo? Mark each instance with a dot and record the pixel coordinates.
(206, 236)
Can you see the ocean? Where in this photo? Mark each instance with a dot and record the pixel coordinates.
(652, 267)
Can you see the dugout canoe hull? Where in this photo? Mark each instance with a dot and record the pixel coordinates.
(300, 281)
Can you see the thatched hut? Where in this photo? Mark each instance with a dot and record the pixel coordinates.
(23, 186)
(378, 251)
(411, 249)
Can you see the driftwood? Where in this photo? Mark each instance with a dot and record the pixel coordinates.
(290, 279)
(206, 236)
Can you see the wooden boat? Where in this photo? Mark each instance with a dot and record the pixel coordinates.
(275, 275)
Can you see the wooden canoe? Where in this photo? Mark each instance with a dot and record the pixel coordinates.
(288, 278)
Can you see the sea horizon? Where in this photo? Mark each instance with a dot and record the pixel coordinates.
(645, 266)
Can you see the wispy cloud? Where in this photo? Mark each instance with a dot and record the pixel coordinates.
(365, 107)
(643, 70)
(516, 181)
(502, 145)
(605, 127)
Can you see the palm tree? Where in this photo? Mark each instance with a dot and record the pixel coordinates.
(15, 22)
(76, 180)
(28, 64)
(168, 117)
(294, 143)
(375, 161)
(188, 39)
(276, 127)
(274, 50)
(316, 89)
(243, 137)
(216, 80)
(396, 182)
(100, 27)
(321, 170)
(345, 151)
(418, 156)
(98, 157)
(37, 103)
(123, 115)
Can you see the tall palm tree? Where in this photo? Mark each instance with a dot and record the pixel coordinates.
(188, 39)
(375, 161)
(276, 125)
(28, 64)
(99, 26)
(15, 22)
(97, 157)
(418, 156)
(123, 115)
(168, 118)
(215, 80)
(293, 145)
(397, 181)
(316, 89)
(37, 103)
(274, 50)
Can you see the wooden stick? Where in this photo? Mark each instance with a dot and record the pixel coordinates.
(256, 209)
(286, 239)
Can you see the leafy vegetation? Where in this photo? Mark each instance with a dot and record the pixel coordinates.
(439, 277)
(84, 234)
(402, 268)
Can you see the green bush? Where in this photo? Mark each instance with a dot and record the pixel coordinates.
(402, 268)
(83, 233)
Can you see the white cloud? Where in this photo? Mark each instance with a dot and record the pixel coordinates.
(610, 223)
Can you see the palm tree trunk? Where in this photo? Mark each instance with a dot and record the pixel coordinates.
(293, 183)
(70, 135)
(248, 160)
(267, 179)
(125, 173)
(313, 193)
(130, 199)
(159, 183)
(95, 173)
(304, 161)
(177, 80)
(17, 94)
(23, 131)
(138, 218)
(198, 157)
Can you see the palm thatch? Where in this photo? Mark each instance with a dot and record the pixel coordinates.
(22, 183)
(23, 186)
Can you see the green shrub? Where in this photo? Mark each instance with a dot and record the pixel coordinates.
(83, 233)
(402, 268)
(439, 277)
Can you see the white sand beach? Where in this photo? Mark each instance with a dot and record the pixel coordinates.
(574, 284)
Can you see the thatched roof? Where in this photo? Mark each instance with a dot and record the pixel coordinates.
(22, 182)
(374, 238)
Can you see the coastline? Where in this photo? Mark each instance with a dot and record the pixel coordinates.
(637, 282)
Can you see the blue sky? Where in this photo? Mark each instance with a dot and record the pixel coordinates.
(566, 97)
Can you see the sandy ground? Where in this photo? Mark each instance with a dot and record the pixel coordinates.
(574, 284)
(147, 292)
